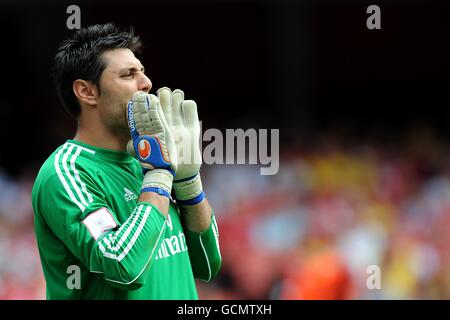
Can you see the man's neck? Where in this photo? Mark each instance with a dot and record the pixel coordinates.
(101, 139)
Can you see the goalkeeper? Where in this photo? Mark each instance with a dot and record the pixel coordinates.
(120, 211)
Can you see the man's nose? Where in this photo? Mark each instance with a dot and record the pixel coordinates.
(145, 84)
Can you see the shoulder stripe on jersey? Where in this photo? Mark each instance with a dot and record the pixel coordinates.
(66, 175)
(82, 148)
(77, 174)
(69, 176)
(63, 180)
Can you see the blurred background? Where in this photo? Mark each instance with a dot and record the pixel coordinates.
(364, 174)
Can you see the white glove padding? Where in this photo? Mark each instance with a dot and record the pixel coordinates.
(182, 117)
(151, 141)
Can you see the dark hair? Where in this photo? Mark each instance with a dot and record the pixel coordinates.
(80, 58)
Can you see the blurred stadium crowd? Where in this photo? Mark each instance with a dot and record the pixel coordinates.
(309, 232)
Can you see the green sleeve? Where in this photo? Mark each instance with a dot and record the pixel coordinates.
(204, 251)
(120, 254)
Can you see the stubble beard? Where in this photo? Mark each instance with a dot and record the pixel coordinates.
(118, 124)
(122, 126)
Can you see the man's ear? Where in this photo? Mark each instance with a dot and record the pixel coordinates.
(85, 91)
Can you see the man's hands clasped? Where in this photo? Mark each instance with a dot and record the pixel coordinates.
(165, 136)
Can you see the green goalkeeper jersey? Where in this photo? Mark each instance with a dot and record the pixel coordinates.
(96, 241)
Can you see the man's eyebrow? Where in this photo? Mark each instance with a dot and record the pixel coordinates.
(132, 69)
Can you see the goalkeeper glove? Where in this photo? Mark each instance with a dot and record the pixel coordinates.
(151, 143)
(182, 118)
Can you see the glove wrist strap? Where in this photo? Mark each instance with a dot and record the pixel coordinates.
(157, 190)
(159, 181)
(189, 191)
